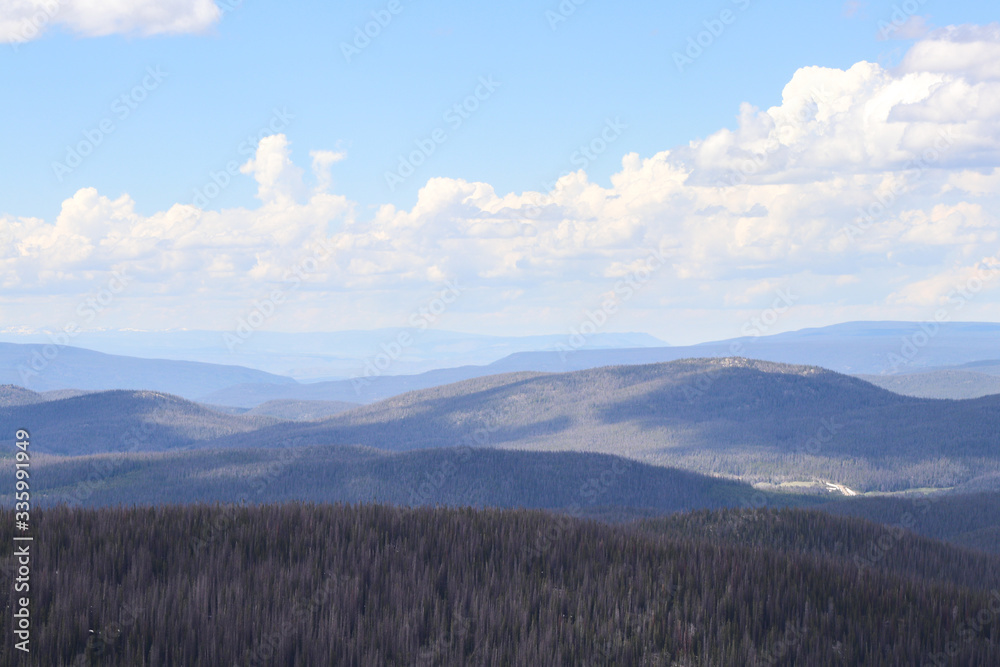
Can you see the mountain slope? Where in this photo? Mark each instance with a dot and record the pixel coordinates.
(760, 421)
(581, 483)
(114, 421)
(301, 410)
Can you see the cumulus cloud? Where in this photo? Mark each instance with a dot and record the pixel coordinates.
(867, 188)
(321, 163)
(26, 20)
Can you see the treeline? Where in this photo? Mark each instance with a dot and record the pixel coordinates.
(359, 585)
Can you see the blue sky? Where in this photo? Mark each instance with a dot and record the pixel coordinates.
(239, 72)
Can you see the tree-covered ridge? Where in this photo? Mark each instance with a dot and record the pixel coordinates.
(119, 421)
(759, 421)
(455, 476)
(318, 585)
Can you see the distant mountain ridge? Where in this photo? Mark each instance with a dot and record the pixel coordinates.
(49, 367)
(758, 421)
(330, 355)
(886, 349)
(872, 348)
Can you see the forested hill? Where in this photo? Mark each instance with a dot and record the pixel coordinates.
(757, 421)
(583, 483)
(115, 421)
(332, 585)
(760, 421)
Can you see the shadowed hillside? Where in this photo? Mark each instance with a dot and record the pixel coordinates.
(581, 483)
(121, 421)
(760, 421)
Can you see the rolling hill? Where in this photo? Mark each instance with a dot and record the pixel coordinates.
(758, 421)
(116, 421)
(581, 483)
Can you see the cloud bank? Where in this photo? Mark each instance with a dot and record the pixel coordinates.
(871, 191)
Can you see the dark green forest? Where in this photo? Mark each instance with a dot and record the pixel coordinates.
(360, 585)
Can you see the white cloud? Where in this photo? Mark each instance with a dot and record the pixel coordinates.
(865, 188)
(322, 161)
(279, 181)
(26, 20)
(969, 51)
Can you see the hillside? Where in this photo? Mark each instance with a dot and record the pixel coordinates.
(11, 395)
(971, 520)
(301, 410)
(580, 483)
(376, 585)
(116, 421)
(759, 421)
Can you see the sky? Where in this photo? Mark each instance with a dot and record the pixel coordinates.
(695, 171)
